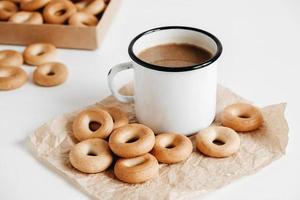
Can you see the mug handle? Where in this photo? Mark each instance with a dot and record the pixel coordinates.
(111, 84)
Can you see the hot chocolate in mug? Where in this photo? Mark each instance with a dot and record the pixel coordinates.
(167, 99)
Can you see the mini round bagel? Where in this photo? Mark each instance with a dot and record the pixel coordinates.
(92, 123)
(24, 17)
(50, 74)
(172, 148)
(57, 12)
(91, 156)
(119, 117)
(39, 53)
(83, 19)
(12, 78)
(7, 9)
(93, 7)
(131, 140)
(32, 5)
(242, 117)
(218, 141)
(136, 170)
(10, 58)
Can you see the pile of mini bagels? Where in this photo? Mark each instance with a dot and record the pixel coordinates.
(105, 135)
(48, 72)
(75, 13)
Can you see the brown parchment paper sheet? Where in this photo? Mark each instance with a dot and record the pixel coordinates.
(192, 178)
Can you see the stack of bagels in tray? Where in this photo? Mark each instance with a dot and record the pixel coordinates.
(105, 138)
(75, 13)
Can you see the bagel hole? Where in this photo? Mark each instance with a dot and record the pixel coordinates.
(170, 146)
(131, 140)
(244, 116)
(60, 12)
(40, 53)
(86, 23)
(218, 142)
(94, 126)
(51, 73)
(91, 153)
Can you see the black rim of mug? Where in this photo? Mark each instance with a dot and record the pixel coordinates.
(178, 69)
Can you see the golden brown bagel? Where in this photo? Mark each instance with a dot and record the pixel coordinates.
(83, 19)
(136, 170)
(24, 17)
(218, 141)
(39, 53)
(172, 148)
(83, 127)
(10, 58)
(242, 117)
(131, 140)
(50, 74)
(91, 156)
(12, 78)
(57, 12)
(7, 9)
(32, 5)
(93, 7)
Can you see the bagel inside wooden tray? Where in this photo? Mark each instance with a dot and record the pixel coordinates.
(61, 35)
(192, 178)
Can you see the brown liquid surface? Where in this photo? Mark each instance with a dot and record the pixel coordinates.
(175, 55)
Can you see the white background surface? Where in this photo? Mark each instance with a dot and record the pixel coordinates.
(260, 62)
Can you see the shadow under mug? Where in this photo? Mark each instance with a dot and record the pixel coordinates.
(181, 100)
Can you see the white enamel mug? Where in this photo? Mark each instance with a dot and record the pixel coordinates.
(181, 100)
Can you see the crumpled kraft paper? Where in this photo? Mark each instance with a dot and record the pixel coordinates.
(192, 178)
